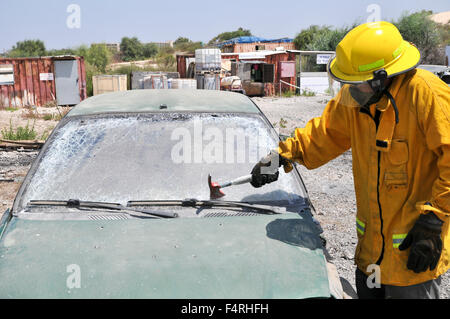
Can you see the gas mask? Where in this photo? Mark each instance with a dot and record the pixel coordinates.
(364, 99)
(373, 92)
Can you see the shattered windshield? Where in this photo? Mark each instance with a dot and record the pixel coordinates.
(156, 157)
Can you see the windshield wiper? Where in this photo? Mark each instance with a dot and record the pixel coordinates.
(192, 202)
(75, 203)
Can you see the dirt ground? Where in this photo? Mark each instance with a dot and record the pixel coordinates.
(42, 119)
(14, 165)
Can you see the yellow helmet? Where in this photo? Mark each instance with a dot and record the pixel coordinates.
(371, 47)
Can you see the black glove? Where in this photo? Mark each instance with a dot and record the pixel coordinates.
(263, 173)
(425, 241)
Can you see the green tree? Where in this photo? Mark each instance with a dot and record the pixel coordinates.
(166, 62)
(444, 30)
(131, 49)
(424, 33)
(99, 56)
(304, 39)
(318, 38)
(149, 50)
(90, 72)
(166, 50)
(181, 40)
(82, 50)
(186, 45)
(328, 39)
(56, 52)
(28, 48)
(224, 36)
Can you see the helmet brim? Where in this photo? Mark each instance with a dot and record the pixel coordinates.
(407, 61)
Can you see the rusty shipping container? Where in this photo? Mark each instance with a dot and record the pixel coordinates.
(278, 60)
(257, 46)
(183, 64)
(42, 81)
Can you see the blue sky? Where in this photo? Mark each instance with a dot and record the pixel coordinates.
(163, 20)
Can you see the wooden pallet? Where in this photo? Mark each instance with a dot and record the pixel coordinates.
(15, 145)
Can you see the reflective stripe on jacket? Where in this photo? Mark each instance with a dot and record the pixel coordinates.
(397, 168)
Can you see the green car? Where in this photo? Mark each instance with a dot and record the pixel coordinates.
(117, 205)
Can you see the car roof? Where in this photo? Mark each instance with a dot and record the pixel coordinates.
(433, 68)
(150, 100)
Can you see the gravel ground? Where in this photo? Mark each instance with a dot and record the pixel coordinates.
(334, 196)
(14, 165)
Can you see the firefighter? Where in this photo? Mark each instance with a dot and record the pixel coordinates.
(396, 120)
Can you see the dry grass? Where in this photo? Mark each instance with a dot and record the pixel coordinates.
(51, 104)
(31, 113)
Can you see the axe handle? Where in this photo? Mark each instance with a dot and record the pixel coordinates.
(237, 181)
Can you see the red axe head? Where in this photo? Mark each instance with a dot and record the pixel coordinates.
(214, 189)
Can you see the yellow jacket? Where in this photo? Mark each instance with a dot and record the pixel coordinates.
(397, 168)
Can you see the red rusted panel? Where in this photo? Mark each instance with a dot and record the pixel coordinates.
(276, 59)
(42, 90)
(181, 64)
(28, 89)
(251, 47)
(23, 82)
(234, 56)
(82, 78)
(29, 92)
(17, 89)
(35, 78)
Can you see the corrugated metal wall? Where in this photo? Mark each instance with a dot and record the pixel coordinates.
(273, 88)
(32, 86)
(251, 47)
(138, 77)
(181, 64)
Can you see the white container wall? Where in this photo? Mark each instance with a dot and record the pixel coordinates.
(208, 81)
(137, 77)
(212, 82)
(318, 82)
(208, 60)
(184, 84)
(155, 82)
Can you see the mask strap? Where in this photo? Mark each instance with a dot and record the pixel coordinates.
(391, 98)
(377, 85)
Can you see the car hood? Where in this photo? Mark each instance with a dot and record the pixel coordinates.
(264, 256)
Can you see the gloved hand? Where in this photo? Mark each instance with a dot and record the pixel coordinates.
(425, 242)
(266, 170)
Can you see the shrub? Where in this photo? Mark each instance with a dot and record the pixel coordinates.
(20, 133)
(307, 92)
